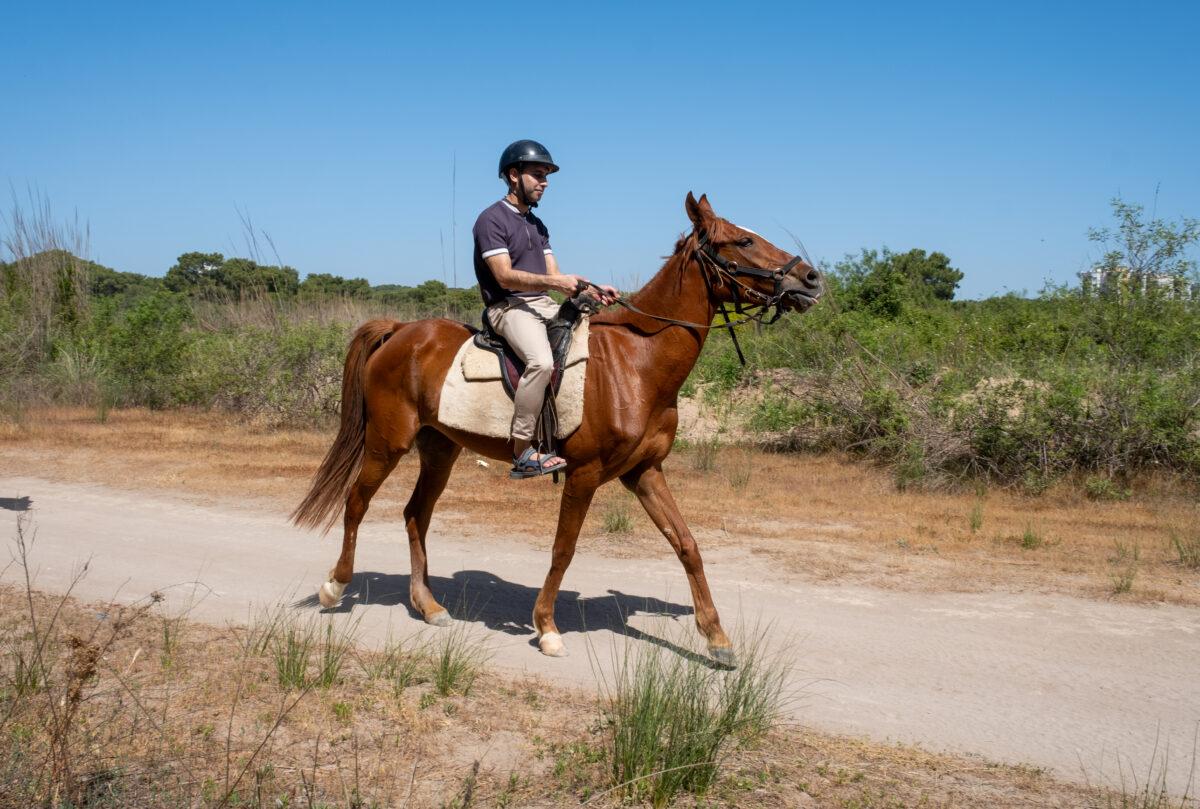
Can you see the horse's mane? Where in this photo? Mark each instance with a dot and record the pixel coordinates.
(622, 317)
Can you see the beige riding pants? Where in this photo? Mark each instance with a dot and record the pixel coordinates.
(522, 322)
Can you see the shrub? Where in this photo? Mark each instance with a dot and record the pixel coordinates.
(147, 350)
(1013, 390)
(1102, 488)
(288, 374)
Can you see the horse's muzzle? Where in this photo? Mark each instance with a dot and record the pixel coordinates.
(801, 293)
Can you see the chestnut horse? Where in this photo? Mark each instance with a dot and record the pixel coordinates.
(639, 358)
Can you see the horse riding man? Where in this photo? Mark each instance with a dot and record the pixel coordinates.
(516, 268)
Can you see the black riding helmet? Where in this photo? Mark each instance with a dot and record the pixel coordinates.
(525, 151)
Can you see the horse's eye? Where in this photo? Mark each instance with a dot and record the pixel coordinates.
(746, 242)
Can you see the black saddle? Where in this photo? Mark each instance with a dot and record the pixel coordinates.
(559, 330)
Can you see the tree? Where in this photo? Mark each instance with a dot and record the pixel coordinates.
(1146, 249)
(882, 282)
(243, 275)
(194, 273)
(109, 283)
(931, 272)
(322, 284)
(208, 274)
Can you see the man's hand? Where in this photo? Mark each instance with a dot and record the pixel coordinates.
(569, 285)
(573, 284)
(608, 294)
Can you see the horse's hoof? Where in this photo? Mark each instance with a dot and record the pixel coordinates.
(330, 593)
(723, 656)
(442, 619)
(551, 645)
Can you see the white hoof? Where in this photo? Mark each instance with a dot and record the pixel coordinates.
(330, 593)
(440, 619)
(551, 645)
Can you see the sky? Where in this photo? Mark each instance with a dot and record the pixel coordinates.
(363, 138)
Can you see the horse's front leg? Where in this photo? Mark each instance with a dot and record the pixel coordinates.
(650, 486)
(577, 496)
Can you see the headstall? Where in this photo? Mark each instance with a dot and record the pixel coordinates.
(730, 271)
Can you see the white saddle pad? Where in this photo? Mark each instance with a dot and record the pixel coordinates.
(473, 397)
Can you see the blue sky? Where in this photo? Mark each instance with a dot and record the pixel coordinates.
(996, 134)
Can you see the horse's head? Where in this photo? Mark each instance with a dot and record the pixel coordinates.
(745, 268)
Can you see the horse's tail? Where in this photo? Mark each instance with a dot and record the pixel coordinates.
(331, 484)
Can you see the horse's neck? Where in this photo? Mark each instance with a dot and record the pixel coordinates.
(678, 292)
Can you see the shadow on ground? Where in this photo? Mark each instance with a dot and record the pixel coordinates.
(15, 503)
(477, 596)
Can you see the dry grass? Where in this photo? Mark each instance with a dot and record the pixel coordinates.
(824, 517)
(214, 728)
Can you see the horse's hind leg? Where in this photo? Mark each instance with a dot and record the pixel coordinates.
(650, 486)
(438, 455)
(379, 459)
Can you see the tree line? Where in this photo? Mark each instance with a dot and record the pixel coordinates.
(213, 277)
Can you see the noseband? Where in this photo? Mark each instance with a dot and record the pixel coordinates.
(729, 271)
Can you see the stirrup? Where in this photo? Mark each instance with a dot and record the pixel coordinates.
(525, 466)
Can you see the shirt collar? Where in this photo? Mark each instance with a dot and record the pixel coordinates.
(511, 207)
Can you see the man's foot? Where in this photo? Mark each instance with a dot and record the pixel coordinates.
(531, 464)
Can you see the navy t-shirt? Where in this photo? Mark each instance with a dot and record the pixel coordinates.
(501, 228)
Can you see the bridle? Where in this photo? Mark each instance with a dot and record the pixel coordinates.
(754, 307)
(729, 271)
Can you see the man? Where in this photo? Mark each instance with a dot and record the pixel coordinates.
(516, 268)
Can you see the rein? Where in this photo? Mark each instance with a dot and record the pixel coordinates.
(752, 310)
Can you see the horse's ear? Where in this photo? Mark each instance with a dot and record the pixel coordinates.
(701, 213)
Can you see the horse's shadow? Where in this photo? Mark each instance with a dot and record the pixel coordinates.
(16, 503)
(477, 596)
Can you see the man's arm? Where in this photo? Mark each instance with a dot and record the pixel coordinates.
(608, 294)
(510, 277)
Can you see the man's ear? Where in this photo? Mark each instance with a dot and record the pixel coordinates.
(700, 212)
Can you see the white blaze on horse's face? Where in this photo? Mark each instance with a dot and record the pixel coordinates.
(802, 285)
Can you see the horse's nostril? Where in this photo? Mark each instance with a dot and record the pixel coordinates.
(813, 276)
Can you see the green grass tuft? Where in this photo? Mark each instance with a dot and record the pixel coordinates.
(617, 518)
(1187, 548)
(704, 454)
(295, 639)
(456, 660)
(673, 718)
(976, 519)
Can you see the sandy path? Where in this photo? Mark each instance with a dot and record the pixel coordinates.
(1052, 681)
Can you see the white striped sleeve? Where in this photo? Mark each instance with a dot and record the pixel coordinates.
(496, 252)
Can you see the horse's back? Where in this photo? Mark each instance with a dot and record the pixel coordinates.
(414, 360)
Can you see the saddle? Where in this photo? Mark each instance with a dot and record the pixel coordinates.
(559, 330)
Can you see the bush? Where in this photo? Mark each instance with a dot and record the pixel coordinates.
(289, 374)
(1014, 390)
(147, 350)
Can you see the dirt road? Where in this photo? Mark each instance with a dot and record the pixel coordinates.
(1056, 682)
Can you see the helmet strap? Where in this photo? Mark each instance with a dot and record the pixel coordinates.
(521, 194)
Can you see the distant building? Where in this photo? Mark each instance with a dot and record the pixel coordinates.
(1108, 279)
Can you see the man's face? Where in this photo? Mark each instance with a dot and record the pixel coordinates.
(535, 177)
